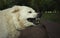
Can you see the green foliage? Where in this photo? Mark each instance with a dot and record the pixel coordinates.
(55, 17)
(5, 3)
(42, 5)
(37, 4)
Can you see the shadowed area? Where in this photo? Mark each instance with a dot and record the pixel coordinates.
(34, 32)
(53, 28)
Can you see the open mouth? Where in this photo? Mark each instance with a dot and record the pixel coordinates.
(31, 19)
(34, 20)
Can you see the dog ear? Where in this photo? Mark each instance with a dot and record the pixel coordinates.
(15, 9)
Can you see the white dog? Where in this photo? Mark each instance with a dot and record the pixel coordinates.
(14, 19)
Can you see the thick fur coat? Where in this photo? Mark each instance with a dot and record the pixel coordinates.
(14, 19)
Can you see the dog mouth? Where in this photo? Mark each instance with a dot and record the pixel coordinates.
(34, 20)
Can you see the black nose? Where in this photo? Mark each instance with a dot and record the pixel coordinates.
(39, 15)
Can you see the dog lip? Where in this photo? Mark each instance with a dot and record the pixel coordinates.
(30, 26)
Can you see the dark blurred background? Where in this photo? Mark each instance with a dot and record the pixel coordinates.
(49, 14)
(49, 8)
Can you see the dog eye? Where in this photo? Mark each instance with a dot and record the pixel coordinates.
(29, 12)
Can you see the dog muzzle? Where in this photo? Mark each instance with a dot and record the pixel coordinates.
(34, 20)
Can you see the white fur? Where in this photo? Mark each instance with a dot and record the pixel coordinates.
(15, 18)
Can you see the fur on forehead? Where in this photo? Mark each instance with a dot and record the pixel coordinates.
(17, 8)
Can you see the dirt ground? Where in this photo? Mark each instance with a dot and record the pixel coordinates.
(53, 28)
(34, 32)
(48, 29)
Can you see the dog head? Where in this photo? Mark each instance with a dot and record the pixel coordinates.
(22, 15)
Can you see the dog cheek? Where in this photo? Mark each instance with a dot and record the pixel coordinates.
(21, 24)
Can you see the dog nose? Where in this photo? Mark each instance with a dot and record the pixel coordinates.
(39, 15)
